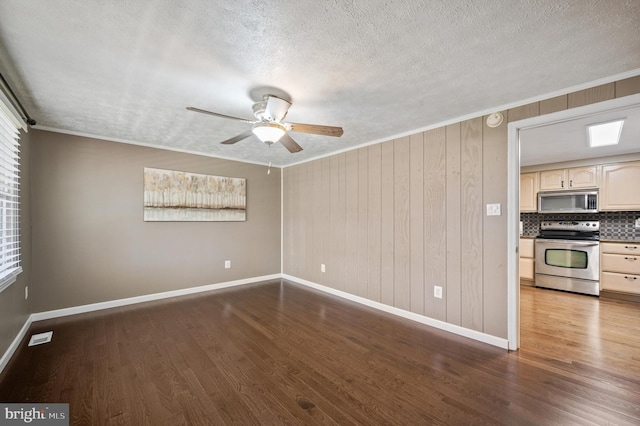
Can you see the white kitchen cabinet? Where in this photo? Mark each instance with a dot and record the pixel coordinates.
(620, 265)
(620, 188)
(529, 192)
(527, 259)
(572, 178)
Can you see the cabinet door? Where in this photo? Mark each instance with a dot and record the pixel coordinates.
(625, 283)
(529, 192)
(623, 264)
(620, 248)
(527, 268)
(583, 177)
(553, 179)
(619, 186)
(527, 247)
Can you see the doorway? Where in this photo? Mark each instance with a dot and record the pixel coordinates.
(515, 130)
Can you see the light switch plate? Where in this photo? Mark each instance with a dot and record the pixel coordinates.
(437, 292)
(638, 223)
(493, 210)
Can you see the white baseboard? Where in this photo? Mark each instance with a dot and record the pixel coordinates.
(39, 316)
(15, 344)
(451, 328)
(146, 298)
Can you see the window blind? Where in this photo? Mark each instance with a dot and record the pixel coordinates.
(9, 201)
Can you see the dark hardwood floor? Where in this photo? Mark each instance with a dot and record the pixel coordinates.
(277, 353)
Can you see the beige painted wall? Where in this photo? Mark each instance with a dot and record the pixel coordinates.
(90, 243)
(393, 220)
(14, 309)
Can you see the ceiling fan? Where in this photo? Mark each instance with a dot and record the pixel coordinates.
(269, 127)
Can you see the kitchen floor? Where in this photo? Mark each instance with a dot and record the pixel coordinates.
(596, 337)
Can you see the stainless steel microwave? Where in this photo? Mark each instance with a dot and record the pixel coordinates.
(585, 201)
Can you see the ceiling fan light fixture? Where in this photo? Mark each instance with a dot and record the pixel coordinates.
(269, 126)
(269, 132)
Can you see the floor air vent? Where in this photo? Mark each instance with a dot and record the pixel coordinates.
(40, 338)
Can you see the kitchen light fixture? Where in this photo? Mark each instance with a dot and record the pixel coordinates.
(269, 132)
(603, 134)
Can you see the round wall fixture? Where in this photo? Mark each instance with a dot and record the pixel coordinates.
(495, 119)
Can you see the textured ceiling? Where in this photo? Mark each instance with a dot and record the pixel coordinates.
(567, 140)
(125, 70)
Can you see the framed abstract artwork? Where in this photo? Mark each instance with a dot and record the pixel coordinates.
(172, 196)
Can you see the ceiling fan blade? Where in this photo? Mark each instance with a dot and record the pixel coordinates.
(215, 114)
(315, 129)
(276, 108)
(238, 138)
(290, 144)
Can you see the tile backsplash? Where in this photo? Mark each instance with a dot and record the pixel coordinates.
(613, 225)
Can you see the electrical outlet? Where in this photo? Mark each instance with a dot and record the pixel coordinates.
(638, 223)
(437, 292)
(26, 292)
(323, 268)
(227, 264)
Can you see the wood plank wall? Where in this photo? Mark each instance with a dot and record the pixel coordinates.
(390, 221)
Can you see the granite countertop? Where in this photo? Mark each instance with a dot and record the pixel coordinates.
(531, 236)
(620, 240)
(602, 240)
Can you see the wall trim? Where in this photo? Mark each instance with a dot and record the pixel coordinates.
(571, 89)
(513, 237)
(57, 313)
(611, 159)
(459, 119)
(15, 344)
(441, 325)
(39, 316)
(513, 194)
(281, 221)
(146, 145)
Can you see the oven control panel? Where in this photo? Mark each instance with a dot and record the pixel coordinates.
(571, 225)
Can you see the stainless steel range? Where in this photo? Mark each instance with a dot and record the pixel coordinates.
(568, 256)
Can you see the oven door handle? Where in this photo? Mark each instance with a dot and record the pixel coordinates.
(568, 242)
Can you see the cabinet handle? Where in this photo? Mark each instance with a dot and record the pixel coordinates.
(631, 247)
(630, 258)
(562, 184)
(631, 278)
(571, 183)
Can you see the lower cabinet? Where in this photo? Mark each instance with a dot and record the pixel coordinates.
(620, 265)
(527, 260)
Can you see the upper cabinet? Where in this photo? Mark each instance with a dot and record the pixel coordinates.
(573, 178)
(583, 177)
(619, 189)
(529, 192)
(618, 184)
(553, 179)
